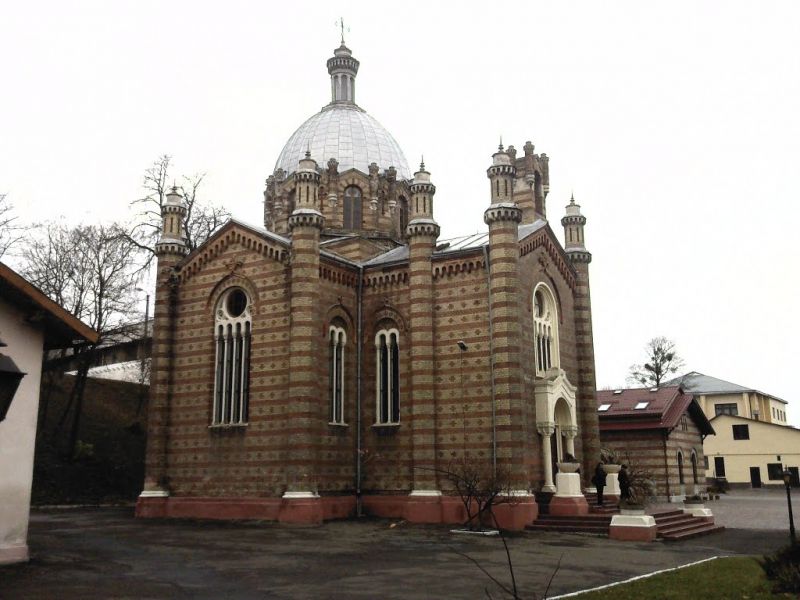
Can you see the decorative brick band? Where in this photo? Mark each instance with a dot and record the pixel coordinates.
(306, 217)
(502, 212)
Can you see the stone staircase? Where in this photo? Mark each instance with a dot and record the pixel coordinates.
(592, 523)
(674, 525)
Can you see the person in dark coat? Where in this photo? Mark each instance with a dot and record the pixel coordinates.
(599, 481)
(624, 484)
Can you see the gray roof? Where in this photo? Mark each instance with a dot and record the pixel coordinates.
(698, 383)
(400, 254)
(348, 134)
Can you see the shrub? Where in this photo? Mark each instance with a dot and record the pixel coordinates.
(783, 568)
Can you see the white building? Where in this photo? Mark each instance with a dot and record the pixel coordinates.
(29, 324)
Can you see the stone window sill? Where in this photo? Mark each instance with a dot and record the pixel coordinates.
(334, 424)
(228, 426)
(386, 428)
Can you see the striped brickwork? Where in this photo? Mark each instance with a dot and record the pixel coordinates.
(586, 380)
(423, 418)
(505, 310)
(161, 370)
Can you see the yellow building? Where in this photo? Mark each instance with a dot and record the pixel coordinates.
(753, 442)
(720, 397)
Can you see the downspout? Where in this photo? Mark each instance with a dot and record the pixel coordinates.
(359, 344)
(666, 463)
(491, 359)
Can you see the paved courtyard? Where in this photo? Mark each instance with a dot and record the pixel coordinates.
(106, 553)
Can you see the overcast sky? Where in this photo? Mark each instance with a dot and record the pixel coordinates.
(677, 125)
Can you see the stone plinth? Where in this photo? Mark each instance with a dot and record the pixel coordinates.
(569, 499)
(632, 526)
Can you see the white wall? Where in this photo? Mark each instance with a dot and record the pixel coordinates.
(18, 433)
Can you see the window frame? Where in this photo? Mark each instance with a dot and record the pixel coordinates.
(387, 377)
(232, 357)
(337, 371)
(740, 427)
(546, 353)
(352, 207)
(726, 408)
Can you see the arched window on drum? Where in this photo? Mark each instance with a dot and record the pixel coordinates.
(352, 208)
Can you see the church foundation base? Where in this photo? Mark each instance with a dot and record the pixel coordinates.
(514, 515)
(569, 506)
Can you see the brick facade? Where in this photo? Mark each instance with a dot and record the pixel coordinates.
(305, 273)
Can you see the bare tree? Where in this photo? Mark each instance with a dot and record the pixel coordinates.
(202, 219)
(662, 361)
(91, 271)
(10, 230)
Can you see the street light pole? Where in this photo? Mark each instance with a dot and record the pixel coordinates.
(787, 480)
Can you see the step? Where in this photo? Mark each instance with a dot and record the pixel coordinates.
(665, 521)
(708, 529)
(667, 513)
(680, 527)
(588, 519)
(568, 529)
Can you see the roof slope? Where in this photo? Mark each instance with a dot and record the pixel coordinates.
(698, 383)
(663, 408)
(61, 327)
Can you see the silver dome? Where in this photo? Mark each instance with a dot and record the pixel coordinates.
(348, 134)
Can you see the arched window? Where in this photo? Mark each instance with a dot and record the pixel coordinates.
(232, 330)
(337, 339)
(403, 215)
(681, 478)
(694, 466)
(545, 328)
(387, 377)
(352, 208)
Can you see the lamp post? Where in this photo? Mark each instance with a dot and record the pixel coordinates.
(787, 480)
(10, 378)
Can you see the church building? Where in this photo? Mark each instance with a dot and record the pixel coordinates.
(343, 355)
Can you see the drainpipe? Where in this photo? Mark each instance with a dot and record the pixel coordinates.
(359, 344)
(491, 359)
(665, 433)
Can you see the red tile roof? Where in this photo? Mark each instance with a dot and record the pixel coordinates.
(665, 406)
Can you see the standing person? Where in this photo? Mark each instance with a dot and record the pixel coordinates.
(624, 484)
(599, 481)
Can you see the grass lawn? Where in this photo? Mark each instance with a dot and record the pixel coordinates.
(729, 578)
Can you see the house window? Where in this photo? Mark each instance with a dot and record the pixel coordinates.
(641, 405)
(775, 471)
(694, 467)
(352, 208)
(603, 407)
(741, 432)
(232, 330)
(545, 326)
(726, 409)
(337, 339)
(387, 377)
(680, 468)
(719, 466)
(684, 423)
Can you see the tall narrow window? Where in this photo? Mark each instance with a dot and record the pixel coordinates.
(681, 479)
(545, 330)
(694, 467)
(352, 208)
(232, 365)
(337, 339)
(403, 205)
(387, 377)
